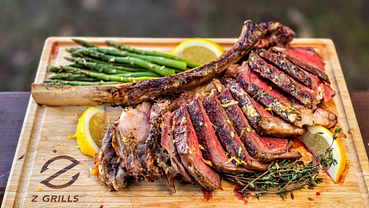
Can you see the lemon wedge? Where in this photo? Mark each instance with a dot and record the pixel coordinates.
(317, 139)
(198, 50)
(90, 130)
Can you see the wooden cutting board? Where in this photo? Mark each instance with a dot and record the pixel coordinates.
(50, 171)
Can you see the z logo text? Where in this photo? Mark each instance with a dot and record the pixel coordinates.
(47, 181)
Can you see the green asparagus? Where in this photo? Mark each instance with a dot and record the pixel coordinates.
(151, 53)
(73, 77)
(99, 76)
(154, 59)
(102, 66)
(77, 83)
(84, 43)
(162, 70)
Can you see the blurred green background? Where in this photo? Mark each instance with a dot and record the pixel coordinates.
(24, 26)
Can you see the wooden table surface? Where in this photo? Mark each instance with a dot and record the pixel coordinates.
(13, 106)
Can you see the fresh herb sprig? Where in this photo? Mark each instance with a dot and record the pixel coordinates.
(282, 178)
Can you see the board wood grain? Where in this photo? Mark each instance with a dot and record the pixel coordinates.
(50, 171)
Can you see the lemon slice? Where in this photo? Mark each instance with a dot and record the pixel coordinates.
(90, 130)
(317, 139)
(198, 50)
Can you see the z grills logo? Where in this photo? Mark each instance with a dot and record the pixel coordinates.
(47, 181)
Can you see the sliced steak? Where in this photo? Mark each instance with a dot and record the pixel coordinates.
(263, 90)
(133, 128)
(188, 149)
(308, 60)
(263, 149)
(306, 96)
(108, 165)
(310, 80)
(264, 122)
(276, 58)
(158, 109)
(211, 149)
(283, 109)
(228, 136)
(306, 55)
(173, 168)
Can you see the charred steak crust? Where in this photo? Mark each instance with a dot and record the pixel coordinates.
(264, 122)
(108, 165)
(276, 35)
(284, 110)
(276, 58)
(303, 58)
(304, 94)
(275, 147)
(158, 109)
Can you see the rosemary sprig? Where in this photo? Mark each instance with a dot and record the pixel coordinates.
(282, 178)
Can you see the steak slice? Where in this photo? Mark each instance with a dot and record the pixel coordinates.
(174, 167)
(306, 96)
(107, 164)
(188, 149)
(305, 116)
(228, 136)
(137, 92)
(310, 80)
(308, 60)
(211, 149)
(284, 110)
(264, 122)
(133, 128)
(276, 58)
(263, 149)
(158, 109)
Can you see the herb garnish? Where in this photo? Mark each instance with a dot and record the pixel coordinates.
(282, 178)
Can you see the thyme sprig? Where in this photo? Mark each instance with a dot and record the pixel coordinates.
(284, 177)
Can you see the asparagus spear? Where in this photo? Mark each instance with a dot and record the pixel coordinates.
(151, 53)
(84, 43)
(127, 67)
(103, 66)
(73, 77)
(154, 59)
(97, 75)
(77, 83)
(138, 74)
(162, 70)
